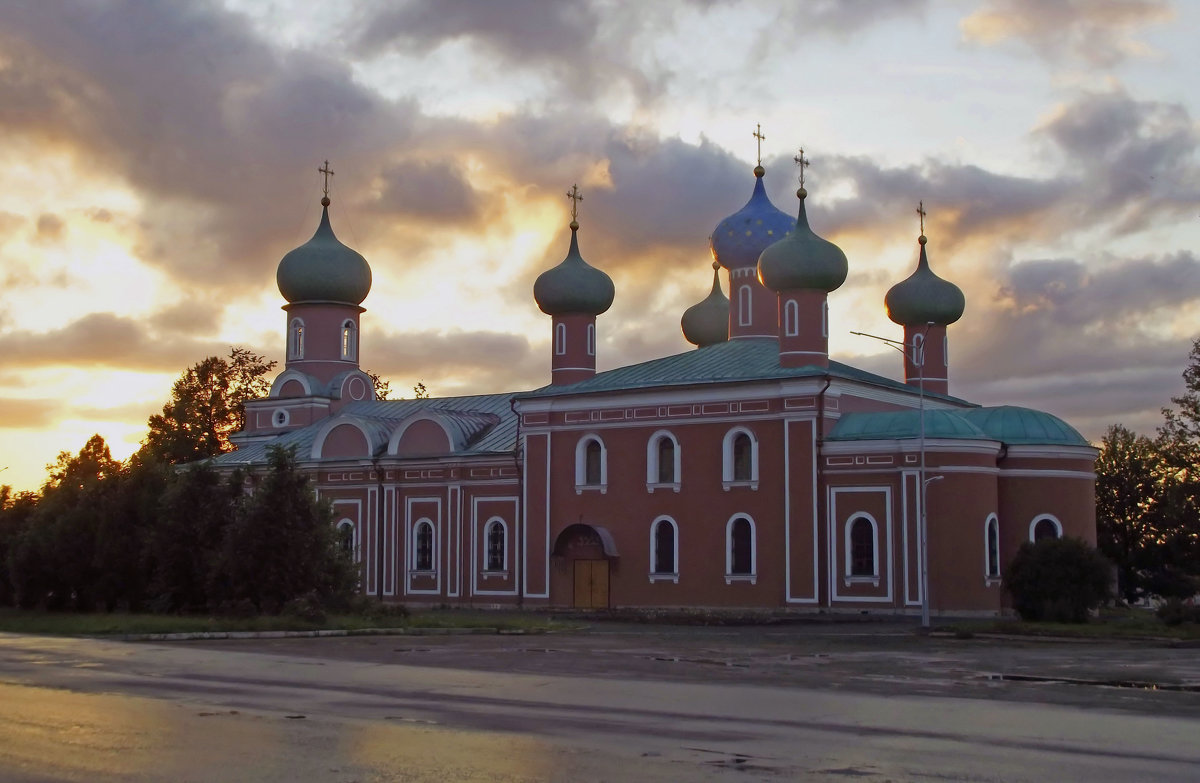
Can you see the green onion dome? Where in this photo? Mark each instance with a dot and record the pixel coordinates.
(739, 239)
(574, 286)
(802, 260)
(707, 322)
(323, 269)
(924, 297)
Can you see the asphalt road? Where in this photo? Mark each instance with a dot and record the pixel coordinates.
(617, 704)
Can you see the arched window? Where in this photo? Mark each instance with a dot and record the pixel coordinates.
(591, 339)
(423, 546)
(918, 350)
(664, 547)
(497, 549)
(739, 548)
(791, 318)
(740, 458)
(296, 339)
(946, 350)
(744, 315)
(349, 340)
(345, 536)
(825, 319)
(862, 541)
(591, 464)
(560, 339)
(662, 460)
(1045, 526)
(991, 547)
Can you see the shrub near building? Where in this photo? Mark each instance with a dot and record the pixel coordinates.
(1057, 579)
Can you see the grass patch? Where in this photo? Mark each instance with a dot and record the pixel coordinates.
(120, 624)
(1111, 624)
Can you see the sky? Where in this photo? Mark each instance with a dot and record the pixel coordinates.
(159, 158)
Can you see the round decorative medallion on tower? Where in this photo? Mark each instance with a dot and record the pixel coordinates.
(707, 322)
(573, 294)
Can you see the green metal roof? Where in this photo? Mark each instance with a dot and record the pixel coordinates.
(1024, 426)
(898, 425)
(749, 359)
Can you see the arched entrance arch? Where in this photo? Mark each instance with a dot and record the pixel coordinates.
(584, 553)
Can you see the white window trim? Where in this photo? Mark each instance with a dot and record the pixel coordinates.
(343, 523)
(560, 339)
(281, 417)
(655, 576)
(847, 577)
(484, 571)
(918, 351)
(946, 350)
(591, 339)
(825, 318)
(295, 339)
(581, 484)
(731, 577)
(652, 482)
(433, 549)
(745, 303)
(727, 480)
(349, 341)
(791, 318)
(1057, 525)
(989, 578)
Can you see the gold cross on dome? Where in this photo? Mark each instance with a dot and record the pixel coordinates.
(573, 194)
(802, 162)
(758, 134)
(328, 172)
(921, 211)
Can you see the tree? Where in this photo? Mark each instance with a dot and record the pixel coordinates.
(1178, 444)
(206, 407)
(382, 388)
(1131, 511)
(420, 392)
(1057, 579)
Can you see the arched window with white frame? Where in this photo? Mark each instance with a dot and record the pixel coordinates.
(663, 460)
(295, 339)
(345, 538)
(744, 312)
(991, 548)
(1045, 526)
(739, 458)
(741, 559)
(560, 339)
(591, 339)
(946, 350)
(791, 318)
(664, 550)
(349, 340)
(591, 464)
(825, 319)
(495, 536)
(424, 551)
(918, 350)
(862, 548)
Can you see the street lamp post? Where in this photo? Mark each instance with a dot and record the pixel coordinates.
(917, 357)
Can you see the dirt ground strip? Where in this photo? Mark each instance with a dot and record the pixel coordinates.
(877, 658)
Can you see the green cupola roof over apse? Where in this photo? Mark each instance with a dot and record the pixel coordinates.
(323, 269)
(707, 322)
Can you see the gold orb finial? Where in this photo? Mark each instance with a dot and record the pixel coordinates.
(324, 201)
(716, 266)
(759, 171)
(921, 240)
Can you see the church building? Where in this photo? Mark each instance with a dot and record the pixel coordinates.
(753, 471)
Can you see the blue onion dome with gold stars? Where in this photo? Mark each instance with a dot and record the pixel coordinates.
(574, 286)
(802, 260)
(323, 269)
(739, 239)
(924, 297)
(707, 322)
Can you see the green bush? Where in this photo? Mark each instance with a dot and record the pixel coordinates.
(1060, 580)
(1174, 611)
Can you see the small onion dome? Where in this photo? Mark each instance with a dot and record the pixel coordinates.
(707, 322)
(574, 286)
(924, 297)
(324, 270)
(739, 239)
(802, 260)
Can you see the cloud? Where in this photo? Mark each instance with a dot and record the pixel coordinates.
(19, 413)
(1100, 34)
(50, 227)
(457, 362)
(428, 190)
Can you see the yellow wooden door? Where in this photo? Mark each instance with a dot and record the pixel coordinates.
(591, 584)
